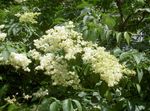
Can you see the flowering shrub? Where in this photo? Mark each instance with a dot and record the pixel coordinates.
(61, 45)
(100, 63)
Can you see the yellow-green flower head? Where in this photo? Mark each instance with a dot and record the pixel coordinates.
(28, 17)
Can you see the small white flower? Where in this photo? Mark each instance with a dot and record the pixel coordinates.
(26, 96)
(17, 14)
(2, 36)
(2, 26)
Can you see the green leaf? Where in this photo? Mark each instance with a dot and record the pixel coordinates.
(3, 90)
(127, 37)
(44, 106)
(58, 20)
(82, 94)
(118, 35)
(12, 107)
(108, 95)
(77, 103)
(67, 105)
(55, 106)
(143, 10)
(138, 57)
(141, 1)
(108, 20)
(5, 54)
(108, 33)
(138, 88)
(117, 51)
(84, 4)
(1, 78)
(140, 74)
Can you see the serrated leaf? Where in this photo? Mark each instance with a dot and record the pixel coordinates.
(55, 106)
(127, 37)
(78, 105)
(67, 105)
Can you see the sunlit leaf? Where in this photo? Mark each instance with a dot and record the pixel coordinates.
(67, 105)
(118, 36)
(78, 105)
(127, 37)
(143, 10)
(138, 88)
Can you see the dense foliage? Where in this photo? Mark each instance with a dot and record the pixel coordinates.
(74, 55)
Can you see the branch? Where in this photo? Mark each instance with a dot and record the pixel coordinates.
(119, 3)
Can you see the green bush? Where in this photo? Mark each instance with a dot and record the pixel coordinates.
(67, 55)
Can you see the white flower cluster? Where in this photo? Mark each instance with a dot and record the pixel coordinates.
(26, 96)
(56, 67)
(28, 17)
(2, 35)
(61, 45)
(34, 54)
(40, 93)
(9, 100)
(19, 61)
(61, 39)
(104, 64)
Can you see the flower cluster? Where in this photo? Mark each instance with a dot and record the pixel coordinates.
(61, 39)
(2, 35)
(34, 54)
(40, 93)
(10, 100)
(61, 45)
(56, 67)
(19, 61)
(104, 64)
(26, 96)
(28, 17)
